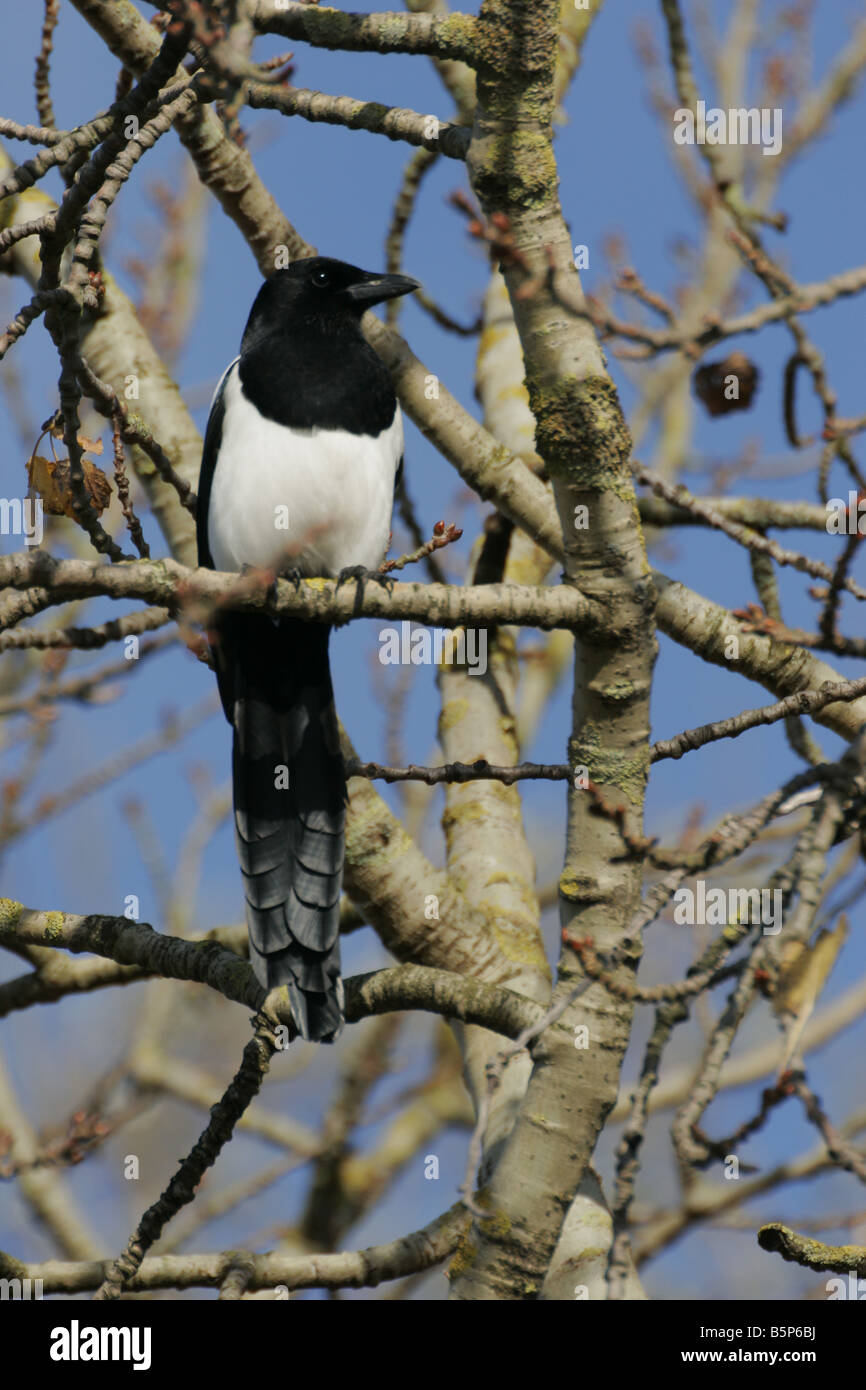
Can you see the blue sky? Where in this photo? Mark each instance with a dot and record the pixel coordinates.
(617, 177)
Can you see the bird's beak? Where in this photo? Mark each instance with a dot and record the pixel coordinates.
(373, 289)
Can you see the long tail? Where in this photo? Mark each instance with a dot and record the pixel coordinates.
(289, 800)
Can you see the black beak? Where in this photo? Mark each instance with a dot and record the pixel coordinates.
(373, 289)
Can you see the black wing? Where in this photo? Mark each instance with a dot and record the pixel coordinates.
(212, 440)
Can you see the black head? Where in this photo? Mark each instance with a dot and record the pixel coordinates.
(323, 291)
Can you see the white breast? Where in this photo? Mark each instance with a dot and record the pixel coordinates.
(316, 500)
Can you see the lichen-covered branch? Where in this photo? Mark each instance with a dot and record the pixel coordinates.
(169, 584)
(448, 36)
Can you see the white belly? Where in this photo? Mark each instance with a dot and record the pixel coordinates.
(281, 500)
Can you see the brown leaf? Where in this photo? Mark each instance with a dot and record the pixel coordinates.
(92, 446)
(51, 479)
(805, 967)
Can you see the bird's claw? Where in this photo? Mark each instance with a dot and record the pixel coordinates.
(364, 576)
(386, 580)
(352, 572)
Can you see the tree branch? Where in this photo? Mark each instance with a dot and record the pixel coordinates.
(397, 123)
(360, 1269)
(450, 36)
(166, 583)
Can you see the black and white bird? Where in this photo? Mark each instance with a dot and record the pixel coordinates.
(302, 453)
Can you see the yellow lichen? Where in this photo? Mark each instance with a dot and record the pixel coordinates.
(522, 947)
(463, 1257)
(452, 713)
(10, 912)
(53, 925)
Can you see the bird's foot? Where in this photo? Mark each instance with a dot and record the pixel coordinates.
(364, 576)
(294, 577)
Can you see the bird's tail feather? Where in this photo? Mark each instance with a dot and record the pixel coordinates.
(289, 800)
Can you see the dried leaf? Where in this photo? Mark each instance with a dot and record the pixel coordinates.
(804, 969)
(92, 446)
(51, 478)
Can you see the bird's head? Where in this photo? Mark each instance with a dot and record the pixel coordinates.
(321, 288)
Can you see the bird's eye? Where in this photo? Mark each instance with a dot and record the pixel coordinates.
(321, 279)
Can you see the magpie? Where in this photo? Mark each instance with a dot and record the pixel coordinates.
(302, 453)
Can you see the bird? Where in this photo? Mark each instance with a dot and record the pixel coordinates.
(303, 451)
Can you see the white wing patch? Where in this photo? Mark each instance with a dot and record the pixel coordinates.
(312, 499)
